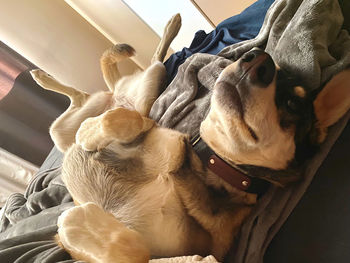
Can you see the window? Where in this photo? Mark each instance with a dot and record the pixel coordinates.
(156, 13)
(10, 67)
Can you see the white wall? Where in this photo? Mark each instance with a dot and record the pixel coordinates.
(156, 13)
(50, 34)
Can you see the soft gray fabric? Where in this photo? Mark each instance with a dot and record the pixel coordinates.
(28, 222)
(303, 37)
(186, 101)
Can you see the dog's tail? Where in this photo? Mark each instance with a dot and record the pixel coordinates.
(109, 61)
(48, 82)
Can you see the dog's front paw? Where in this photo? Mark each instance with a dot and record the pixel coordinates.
(120, 125)
(91, 234)
(90, 135)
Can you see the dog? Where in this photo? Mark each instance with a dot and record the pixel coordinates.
(141, 189)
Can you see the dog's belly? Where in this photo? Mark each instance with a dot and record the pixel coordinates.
(158, 214)
(146, 202)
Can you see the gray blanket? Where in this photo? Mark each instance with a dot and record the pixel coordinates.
(302, 36)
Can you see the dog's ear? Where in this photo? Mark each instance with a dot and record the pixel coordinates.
(332, 102)
(125, 125)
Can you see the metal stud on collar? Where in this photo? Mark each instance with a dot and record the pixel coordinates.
(245, 183)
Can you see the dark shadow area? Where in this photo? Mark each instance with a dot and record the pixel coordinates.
(318, 230)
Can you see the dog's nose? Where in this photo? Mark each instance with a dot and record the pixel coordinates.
(259, 65)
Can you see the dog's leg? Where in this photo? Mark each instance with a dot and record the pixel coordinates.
(154, 77)
(152, 81)
(113, 55)
(89, 233)
(109, 61)
(64, 128)
(170, 32)
(147, 87)
(119, 125)
(49, 83)
(142, 89)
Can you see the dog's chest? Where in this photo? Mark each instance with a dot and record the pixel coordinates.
(158, 214)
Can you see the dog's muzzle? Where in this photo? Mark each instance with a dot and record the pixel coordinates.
(259, 67)
(241, 79)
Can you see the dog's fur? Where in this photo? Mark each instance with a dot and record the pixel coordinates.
(140, 189)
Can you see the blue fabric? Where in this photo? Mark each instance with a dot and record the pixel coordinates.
(232, 30)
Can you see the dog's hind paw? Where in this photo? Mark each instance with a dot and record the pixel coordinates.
(117, 53)
(89, 233)
(41, 77)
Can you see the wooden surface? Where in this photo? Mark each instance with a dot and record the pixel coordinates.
(218, 10)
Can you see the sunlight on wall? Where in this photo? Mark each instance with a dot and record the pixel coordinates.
(156, 14)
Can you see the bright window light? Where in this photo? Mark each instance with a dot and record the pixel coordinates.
(156, 13)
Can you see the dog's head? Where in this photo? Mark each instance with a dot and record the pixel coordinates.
(259, 115)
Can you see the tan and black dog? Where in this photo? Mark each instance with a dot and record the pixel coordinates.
(141, 190)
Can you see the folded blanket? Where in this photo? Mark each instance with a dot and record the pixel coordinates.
(28, 222)
(306, 39)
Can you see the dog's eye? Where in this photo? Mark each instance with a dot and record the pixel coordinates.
(293, 105)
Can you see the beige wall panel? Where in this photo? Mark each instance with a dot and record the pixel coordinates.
(219, 10)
